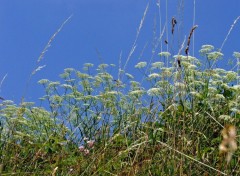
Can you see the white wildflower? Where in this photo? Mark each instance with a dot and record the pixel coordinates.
(167, 71)
(129, 76)
(235, 110)
(157, 65)
(195, 94)
(185, 64)
(153, 75)
(220, 70)
(137, 92)
(180, 85)
(102, 66)
(215, 55)
(68, 70)
(212, 89)
(225, 117)
(153, 91)
(206, 49)
(220, 96)
(236, 54)
(111, 93)
(83, 75)
(236, 87)
(43, 81)
(192, 66)
(66, 86)
(165, 54)
(88, 65)
(53, 84)
(231, 75)
(141, 65)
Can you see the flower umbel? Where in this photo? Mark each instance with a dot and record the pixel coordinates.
(81, 148)
(90, 143)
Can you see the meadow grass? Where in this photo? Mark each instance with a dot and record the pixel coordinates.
(181, 119)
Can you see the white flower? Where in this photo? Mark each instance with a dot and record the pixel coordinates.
(153, 91)
(167, 71)
(231, 75)
(216, 76)
(66, 86)
(141, 65)
(185, 64)
(137, 92)
(102, 66)
(192, 66)
(129, 76)
(157, 65)
(236, 54)
(212, 90)
(220, 96)
(234, 110)
(192, 59)
(105, 76)
(214, 55)
(196, 94)
(218, 82)
(111, 93)
(225, 86)
(82, 75)
(181, 57)
(180, 85)
(43, 81)
(224, 117)
(220, 70)
(206, 49)
(53, 84)
(68, 70)
(197, 83)
(165, 54)
(236, 87)
(153, 75)
(88, 65)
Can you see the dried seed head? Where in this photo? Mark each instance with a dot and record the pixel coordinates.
(232, 131)
(229, 143)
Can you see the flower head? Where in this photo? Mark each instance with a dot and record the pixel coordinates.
(141, 65)
(90, 143)
(81, 148)
(86, 151)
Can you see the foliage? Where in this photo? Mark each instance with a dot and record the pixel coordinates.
(169, 124)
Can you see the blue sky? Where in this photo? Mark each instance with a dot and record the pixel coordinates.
(99, 27)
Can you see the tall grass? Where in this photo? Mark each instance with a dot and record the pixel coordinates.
(98, 125)
(181, 119)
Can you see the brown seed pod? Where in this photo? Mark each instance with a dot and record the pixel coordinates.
(179, 63)
(174, 22)
(189, 39)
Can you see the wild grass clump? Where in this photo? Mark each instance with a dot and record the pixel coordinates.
(181, 119)
(95, 124)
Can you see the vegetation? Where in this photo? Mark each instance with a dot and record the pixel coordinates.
(96, 125)
(181, 118)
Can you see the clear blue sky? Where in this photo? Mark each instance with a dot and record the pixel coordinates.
(106, 25)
